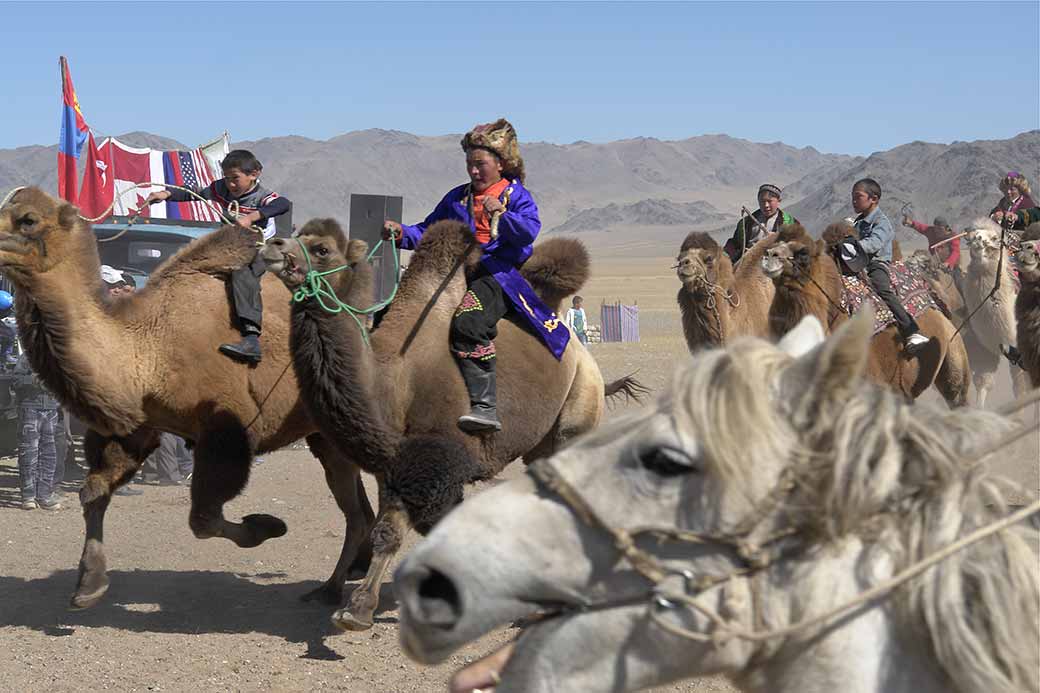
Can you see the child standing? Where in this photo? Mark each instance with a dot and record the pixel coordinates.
(576, 320)
(37, 455)
(257, 207)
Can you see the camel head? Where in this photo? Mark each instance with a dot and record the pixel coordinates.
(320, 245)
(701, 263)
(38, 233)
(791, 258)
(984, 242)
(925, 263)
(1027, 259)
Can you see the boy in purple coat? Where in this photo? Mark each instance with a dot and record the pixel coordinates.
(496, 173)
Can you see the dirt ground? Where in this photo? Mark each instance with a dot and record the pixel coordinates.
(184, 614)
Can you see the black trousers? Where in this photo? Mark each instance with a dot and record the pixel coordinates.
(475, 325)
(879, 274)
(245, 295)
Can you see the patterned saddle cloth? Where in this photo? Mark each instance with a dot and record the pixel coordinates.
(910, 286)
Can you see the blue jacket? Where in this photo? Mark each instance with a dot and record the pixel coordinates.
(876, 235)
(517, 227)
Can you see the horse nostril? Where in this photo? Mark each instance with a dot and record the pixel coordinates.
(438, 602)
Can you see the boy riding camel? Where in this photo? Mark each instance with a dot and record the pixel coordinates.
(257, 207)
(769, 218)
(504, 220)
(875, 239)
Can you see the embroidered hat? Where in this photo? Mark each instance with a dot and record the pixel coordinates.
(773, 190)
(499, 138)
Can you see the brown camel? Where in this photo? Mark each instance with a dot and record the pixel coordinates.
(393, 407)
(808, 282)
(138, 365)
(719, 303)
(1027, 304)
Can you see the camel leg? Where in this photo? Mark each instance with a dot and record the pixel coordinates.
(954, 377)
(387, 536)
(344, 480)
(113, 462)
(222, 456)
(983, 384)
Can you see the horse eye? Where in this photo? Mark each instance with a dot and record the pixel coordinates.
(667, 462)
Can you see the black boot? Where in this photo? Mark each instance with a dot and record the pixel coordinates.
(247, 350)
(480, 383)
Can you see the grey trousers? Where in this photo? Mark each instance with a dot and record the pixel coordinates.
(37, 456)
(171, 460)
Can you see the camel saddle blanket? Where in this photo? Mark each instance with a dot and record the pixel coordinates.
(542, 320)
(911, 287)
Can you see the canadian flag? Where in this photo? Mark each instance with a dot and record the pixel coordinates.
(98, 187)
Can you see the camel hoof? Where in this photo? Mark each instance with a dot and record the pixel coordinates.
(344, 620)
(326, 594)
(262, 527)
(84, 600)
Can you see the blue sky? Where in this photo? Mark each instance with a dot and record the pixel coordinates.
(840, 76)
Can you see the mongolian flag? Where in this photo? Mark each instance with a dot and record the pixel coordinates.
(73, 136)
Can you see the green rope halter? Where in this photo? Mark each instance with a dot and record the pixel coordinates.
(315, 285)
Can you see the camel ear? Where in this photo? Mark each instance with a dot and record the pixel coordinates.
(803, 338)
(356, 250)
(827, 376)
(67, 216)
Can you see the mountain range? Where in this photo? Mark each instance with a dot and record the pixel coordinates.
(696, 183)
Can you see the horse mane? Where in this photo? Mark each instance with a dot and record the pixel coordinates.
(904, 478)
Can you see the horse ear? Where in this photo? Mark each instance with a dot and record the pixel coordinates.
(803, 338)
(828, 375)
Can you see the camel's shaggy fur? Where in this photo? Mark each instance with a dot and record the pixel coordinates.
(393, 407)
(716, 302)
(1027, 305)
(993, 323)
(808, 283)
(134, 366)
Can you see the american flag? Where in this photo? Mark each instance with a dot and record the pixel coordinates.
(188, 170)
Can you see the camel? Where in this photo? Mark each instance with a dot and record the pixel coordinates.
(735, 527)
(808, 282)
(1027, 305)
(951, 301)
(392, 408)
(993, 322)
(718, 302)
(135, 366)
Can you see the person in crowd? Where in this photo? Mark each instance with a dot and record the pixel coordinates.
(766, 219)
(170, 464)
(8, 331)
(577, 320)
(257, 208)
(1016, 196)
(495, 189)
(37, 454)
(875, 239)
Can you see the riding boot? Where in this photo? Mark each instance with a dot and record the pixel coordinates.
(480, 384)
(248, 349)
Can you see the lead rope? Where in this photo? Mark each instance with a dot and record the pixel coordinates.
(316, 286)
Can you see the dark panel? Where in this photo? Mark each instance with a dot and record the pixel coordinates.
(367, 214)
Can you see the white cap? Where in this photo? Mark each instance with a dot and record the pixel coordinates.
(110, 275)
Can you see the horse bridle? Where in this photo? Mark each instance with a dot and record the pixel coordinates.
(753, 557)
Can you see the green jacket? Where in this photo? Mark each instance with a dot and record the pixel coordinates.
(743, 238)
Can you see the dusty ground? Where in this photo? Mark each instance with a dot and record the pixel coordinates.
(184, 614)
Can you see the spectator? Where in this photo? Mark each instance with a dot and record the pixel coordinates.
(8, 333)
(576, 319)
(1016, 196)
(37, 456)
(170, 464)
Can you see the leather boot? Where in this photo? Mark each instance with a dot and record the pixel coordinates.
(480, 384)
(247, 350)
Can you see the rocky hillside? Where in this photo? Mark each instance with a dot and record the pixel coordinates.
(644, 213)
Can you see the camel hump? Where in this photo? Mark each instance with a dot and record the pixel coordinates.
(217, 253)
(558, 268)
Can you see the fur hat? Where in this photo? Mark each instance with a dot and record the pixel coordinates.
(1014, 178)
(499, 138)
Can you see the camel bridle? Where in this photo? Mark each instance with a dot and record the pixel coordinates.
(751, 556)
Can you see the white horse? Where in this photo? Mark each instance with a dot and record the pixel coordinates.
(778, 486)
